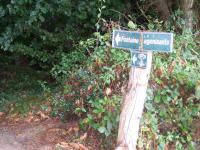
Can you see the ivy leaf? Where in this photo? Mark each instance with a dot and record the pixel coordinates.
(109, 125)
(102, 129)
(42, 19)
(132, 25)
(197, 90)
(157, 98)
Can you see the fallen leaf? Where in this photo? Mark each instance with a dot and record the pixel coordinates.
(29, 119)
(36, 120)
(76, 129)
(75, 146)
(64, 146)
(82, 147)
(89, 87)
(83, 137)
(73, 129)
(108, 91)
(2, 114)
(69, 130)
(42, 115)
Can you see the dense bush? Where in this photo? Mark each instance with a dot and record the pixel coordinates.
(72, 41)
(171, 108)
(94, 89)
(45, 32)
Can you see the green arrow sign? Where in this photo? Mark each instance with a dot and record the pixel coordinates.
(126, 39)
(157, 41)
(144, 41)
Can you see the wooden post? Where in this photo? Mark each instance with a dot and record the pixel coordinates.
(187, 7)
(132, 106)
(134, 99)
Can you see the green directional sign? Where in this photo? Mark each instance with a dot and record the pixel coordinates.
(138, 42)
(157, 41)
(143, 41)
(126, 39)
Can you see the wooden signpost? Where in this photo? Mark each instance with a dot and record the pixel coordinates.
(141, 45)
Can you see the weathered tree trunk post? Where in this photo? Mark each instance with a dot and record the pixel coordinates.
(162, 7)
(141, 46)
(187, 7)
(132, 107)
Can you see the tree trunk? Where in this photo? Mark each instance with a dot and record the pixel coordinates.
(163, 9)
(187, 8)
(132, 107)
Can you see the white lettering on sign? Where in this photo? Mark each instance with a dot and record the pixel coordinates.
(129, 40)
(134, 59)
(157, 42)
(119, 38)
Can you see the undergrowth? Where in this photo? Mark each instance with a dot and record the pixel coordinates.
(93, 80)
(94, 92)
(21, 88)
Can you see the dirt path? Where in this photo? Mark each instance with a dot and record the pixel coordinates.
(42, 135)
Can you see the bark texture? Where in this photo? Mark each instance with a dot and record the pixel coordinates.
(163, 9)
(132, 107)
(187, 7)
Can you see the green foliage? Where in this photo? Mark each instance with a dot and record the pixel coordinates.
(91, 91)
(21, 89)
(103, 116)
(47, 32)
(172, 105)
(57, 37)
(67, 63)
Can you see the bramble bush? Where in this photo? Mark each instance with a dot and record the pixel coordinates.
(46, 33)
(94, 75)
(171, 108)
(94, 89)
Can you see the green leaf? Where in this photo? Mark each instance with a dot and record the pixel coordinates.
(42, 19)
(109, 125)
(132, 25)
(197, 90)
(103, 7)
(102, 129)
(157, 98)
